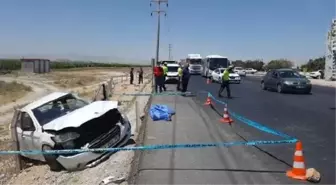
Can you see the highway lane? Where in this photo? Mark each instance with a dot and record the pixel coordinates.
(310, 118)
(195, 123)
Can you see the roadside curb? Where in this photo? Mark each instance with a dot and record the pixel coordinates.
(133, 173)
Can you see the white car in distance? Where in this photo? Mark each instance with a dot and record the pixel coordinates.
(64, 121)
(250, 71)
(240, 71)
(217, 74)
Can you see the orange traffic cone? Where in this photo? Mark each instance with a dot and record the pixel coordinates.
(226, 118)
(208, 81)
(208, 101)
(299, 170)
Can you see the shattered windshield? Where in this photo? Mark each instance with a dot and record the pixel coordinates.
(57, 108)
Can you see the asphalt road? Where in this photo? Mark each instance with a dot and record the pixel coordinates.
(310, 118)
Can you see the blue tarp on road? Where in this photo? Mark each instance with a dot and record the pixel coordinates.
(161, 112)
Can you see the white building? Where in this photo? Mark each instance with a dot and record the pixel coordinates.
(330, 61)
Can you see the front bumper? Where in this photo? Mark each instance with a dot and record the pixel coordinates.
(89, 159)
(193, 71)
(234, 80)
(172, 78)
(297, 88)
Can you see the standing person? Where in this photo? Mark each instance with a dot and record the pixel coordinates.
(165, 71)
(157, 78)
(131, 75)
(140, 75)
(185, 78)
(180, 72)
(225, 82)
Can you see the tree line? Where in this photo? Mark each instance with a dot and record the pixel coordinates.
(15, 64)
(311, 65)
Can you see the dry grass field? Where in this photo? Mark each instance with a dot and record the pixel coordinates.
(11, 91)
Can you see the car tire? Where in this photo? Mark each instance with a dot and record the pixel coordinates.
(263, 87)
(238, 82)
(50, 159)
(279, 88)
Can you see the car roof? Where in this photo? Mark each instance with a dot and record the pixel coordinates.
(284, 69)
(173, 65)
(215, 56)
(44, 100)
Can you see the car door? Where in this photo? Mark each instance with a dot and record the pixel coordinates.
(273, 80)
(267, 79)
(218, 75)
(26, 134)
(214, 74)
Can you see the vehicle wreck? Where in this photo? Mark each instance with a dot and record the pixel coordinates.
(65, 121)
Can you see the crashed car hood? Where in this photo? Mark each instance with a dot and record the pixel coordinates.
(82, 115)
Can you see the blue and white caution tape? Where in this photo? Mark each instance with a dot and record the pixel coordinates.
(288, 139)
(151, 147)
(251, 123)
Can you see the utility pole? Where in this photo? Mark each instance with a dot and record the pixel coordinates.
(170, 57)
(158, 11)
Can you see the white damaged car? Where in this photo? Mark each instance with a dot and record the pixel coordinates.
(65, 121)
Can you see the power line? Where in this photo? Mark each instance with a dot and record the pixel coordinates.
(158, 11)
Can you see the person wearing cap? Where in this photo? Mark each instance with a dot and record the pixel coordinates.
(165, 71)
(225, 82)
(180, 72)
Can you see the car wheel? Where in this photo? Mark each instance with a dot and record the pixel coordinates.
(279, 88)
(51, 159)
(263, 87)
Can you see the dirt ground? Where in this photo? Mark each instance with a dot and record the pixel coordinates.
(11, 91)
(42, 84)
(116, 167)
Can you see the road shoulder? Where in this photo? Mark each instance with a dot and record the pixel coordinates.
(195, 124)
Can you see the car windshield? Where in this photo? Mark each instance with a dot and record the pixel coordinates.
(195, 61)
(57, 108)
(239, 68)
(215, 63)
(289, 74)
(172, 69)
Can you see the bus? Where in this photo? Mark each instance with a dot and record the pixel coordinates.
(212, 62)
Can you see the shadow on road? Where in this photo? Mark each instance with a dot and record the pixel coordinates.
(243, 138)
(211, 169)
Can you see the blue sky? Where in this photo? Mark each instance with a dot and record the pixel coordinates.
(113, 29)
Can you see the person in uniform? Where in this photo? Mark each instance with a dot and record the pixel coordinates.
(180, 72)
(165, 71)
(225, 82)
(185, 78)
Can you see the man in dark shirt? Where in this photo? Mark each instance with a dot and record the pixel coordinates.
(140, 75)
(131, 76)
(185, 78)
